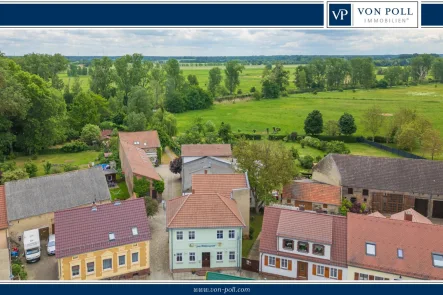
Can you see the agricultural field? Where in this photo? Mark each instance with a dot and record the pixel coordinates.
(84, 80)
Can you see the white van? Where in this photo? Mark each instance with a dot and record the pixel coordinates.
(31, 243)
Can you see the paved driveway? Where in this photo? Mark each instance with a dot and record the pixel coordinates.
(172, 182)
(45, 269)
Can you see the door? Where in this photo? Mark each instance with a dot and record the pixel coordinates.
(421, 206)
(44, 233)
(302, 270)
(206, 259)
(437, 209)
(53, 229)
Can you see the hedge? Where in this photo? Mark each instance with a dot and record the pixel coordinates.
(248, 136)
(277, 136)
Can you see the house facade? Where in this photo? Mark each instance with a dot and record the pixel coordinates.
(384, 184)
(205, 232)
(31, 203)
(312, 195)
(204, 159)
(91, 245)
(393, 249)
(302, 245)
(148, 141)
(5, 260)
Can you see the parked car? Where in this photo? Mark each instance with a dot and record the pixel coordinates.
(50, 248)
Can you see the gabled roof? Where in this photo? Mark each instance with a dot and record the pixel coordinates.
(138, 161)
(312, 191)
(417, 240)
(201, 150)
(83, 230)
(416, 217)
(203, 211)
(35, 196)
(377, 214)
(401, 175)
(279, 221)
(222, 184)
(3, 210)
(141, 139)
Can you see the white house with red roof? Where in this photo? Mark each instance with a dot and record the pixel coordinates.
(302, 245)
(205, 232)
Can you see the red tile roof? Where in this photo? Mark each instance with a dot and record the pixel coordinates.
(139, 162)
(82, 230)
(310, 191)
(416, 217)
(145, 139)
(106, 133)
(202, 211)
(222, 184)
(275, 223)
(377, 214)
(203, 150)
(3, 212)
(417, 240)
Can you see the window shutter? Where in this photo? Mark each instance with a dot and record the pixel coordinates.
(326, 272)
(340, 274)
(356, 276)
(371, 278)
(277, 263)
(266, 259)
(314, 269)
(289, 264)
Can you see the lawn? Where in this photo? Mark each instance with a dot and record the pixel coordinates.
(256, 224)
(81, 159)
(120, 192)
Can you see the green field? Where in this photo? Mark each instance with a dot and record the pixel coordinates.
(84, 80)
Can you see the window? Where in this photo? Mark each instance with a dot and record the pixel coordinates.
(363, 277)
(365, 192)
(379, 279)
(219, 235)
(325, 206)
(288, 201)
(271, 261)
(350, 190)
(303, 247)
(288, 244)
(179, 257)
(135, 257)
(179, 235)
(90, 267)
(231, 255)
(370, 249)
(191, 235)
(319, 250)
(75, 270)
(400, 253)
(121, 260)
(111, 236)
(284, 263)
(320, 270)
(231, 234)
(219, 256)
(135, 231)
(437, 260)
(333, 274)
(191, 256)
(107, 263)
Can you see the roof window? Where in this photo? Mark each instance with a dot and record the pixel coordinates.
(111, 236)
(370, 249)
(135, 231)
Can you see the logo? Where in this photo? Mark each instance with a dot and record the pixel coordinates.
(340, 15)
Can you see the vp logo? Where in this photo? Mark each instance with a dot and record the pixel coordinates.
(340, 14)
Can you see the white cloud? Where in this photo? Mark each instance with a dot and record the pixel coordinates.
(222, 42)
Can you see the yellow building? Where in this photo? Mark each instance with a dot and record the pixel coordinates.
(108, 241)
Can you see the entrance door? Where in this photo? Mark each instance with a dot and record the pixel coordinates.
(437, 209)
(206, 259)
(421, 206)
(302, 270)
(44, 233)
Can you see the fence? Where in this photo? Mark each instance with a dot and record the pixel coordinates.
(389, 149)
(250, 265)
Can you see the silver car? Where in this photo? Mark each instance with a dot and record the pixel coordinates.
(50, 248)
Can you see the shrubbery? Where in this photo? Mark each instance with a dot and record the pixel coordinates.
(248, 136)
(306, 162)
(277, 136)
(337, 147)
(74, 147)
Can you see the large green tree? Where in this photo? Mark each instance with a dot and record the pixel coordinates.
(232, 75)
(215, 78)
(141, 101)
(102, 77)
(347, 124)
(314, 123)
(84, 110)
(372, 120)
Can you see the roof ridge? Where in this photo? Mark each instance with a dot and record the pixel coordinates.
(99, 205)
(224, 201)
(51, 175)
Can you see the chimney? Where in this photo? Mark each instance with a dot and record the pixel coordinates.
(408, 216)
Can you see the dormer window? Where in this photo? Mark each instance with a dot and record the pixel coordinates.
(400, 253)
(135, 231)
(437, 260)
(303, 247)
(319, 250)
(370, 249)
(111, 236)
(136, 142)
(288, 244)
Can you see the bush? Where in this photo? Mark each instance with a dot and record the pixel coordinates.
(306, 162)
(159, 186)
(257, 95)
(382, 84)
(34, 157)
(47, 167)
(31, 168)
(337, 147)
(252, 90)
(293, 136)
(248, 136)
(345, 139)
(251, 233)
(70, 167)
(239, 91)
(74, 147)
(16, 269)
(379, 139)
(318, 158)
(276, 136)
(90, 134)
(151, 207)
(294, 153)
(56, 170)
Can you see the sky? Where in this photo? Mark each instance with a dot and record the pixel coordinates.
(219, 42)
